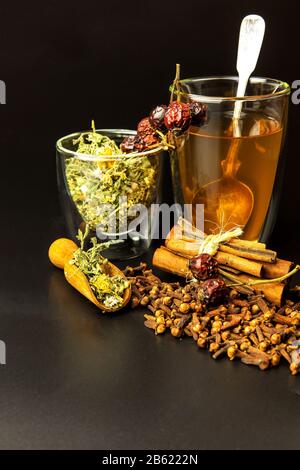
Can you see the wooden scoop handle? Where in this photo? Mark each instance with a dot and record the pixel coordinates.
(61, 251)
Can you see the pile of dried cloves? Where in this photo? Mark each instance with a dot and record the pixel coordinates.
(245, 326)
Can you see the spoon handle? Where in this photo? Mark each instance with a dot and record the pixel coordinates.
(250, 41)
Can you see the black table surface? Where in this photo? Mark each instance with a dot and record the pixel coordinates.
(75, 379)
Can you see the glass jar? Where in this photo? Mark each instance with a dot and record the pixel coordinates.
(112, 194)
(232, 168)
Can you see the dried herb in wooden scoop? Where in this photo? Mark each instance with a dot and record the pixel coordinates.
(90, 273)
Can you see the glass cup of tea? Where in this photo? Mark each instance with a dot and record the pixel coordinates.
(232, 167)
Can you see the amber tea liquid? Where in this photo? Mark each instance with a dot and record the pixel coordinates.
(199, 163)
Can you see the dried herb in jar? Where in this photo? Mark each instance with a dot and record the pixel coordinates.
(106, 187)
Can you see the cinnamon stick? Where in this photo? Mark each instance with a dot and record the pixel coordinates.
(241, 264)
(255, 251)
(178, 241)
(250, 251)
(248, 244)
(278, 269)
(167, 261)
(173, 263)
(229, 269)
(189, 249)
(189, 232)
(273, 292)
(178, 233)
(182, 247)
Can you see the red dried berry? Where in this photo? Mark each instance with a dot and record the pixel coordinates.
(128, 144)
(143, 142)
(138, 143)
(214, 291)
(144, 127)
(198, 113)
(156, 117)
(203, 266)
(150, 139)
(178, 116)
(146, 135)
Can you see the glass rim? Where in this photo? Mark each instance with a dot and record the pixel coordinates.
(218, 99)
(115, 156)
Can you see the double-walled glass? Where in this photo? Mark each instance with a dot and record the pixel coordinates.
(112, 194)
(231, 165)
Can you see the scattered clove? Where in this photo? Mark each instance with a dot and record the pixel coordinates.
(245, 327)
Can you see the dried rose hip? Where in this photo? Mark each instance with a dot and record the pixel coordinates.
(145, 141)
(138, 143)
(146, 135)
(203, 266)
(156, 117)
(144, 127)
(128, 144)
(198, 112)
(178, 116)
(214, 291)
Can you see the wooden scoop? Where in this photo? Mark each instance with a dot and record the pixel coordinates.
(60, 254)
(227, 201)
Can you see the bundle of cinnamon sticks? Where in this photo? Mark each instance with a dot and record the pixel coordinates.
(239, 260)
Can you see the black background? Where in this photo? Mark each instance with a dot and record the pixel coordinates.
(66, 62)
(73, 380)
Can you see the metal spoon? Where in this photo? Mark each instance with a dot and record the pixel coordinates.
(227, 201)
